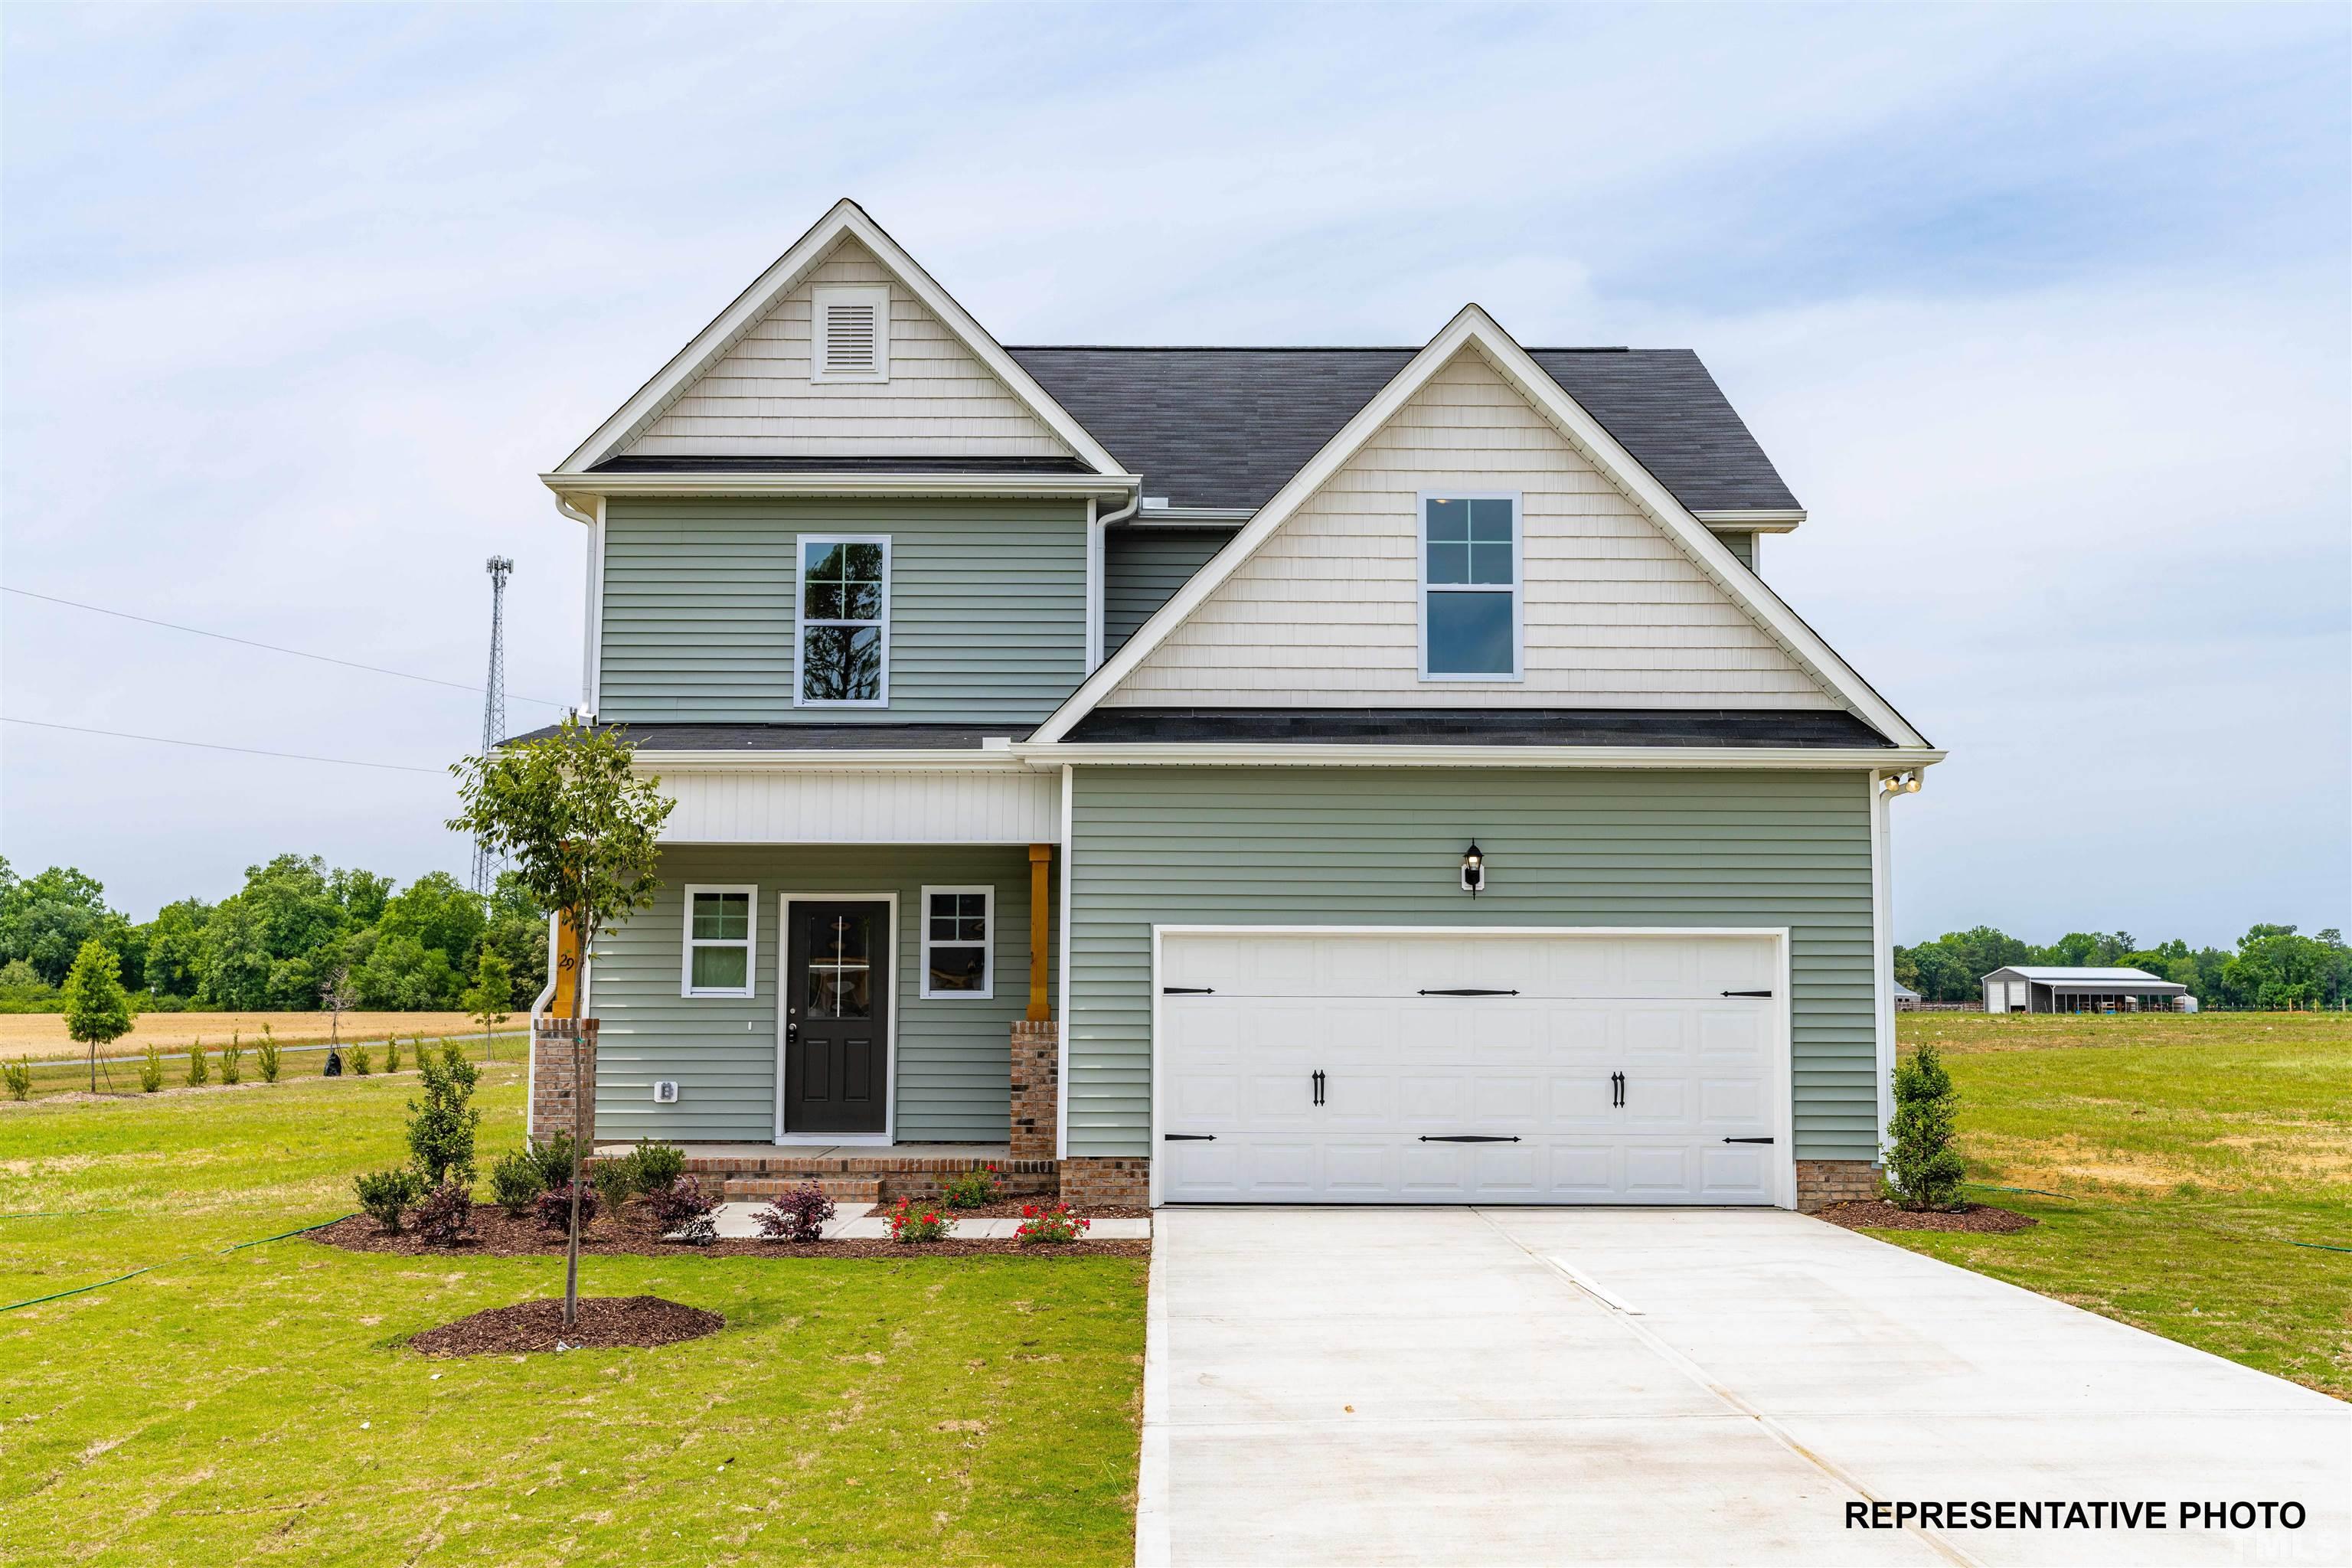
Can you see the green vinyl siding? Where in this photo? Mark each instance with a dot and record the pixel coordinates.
(1273, 846)
(988, 608)
(952, 1082)
(1742, 545)
(1142, 569)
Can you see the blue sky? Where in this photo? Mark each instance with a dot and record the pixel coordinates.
(2044, 313)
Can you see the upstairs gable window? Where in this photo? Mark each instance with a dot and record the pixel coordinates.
(843, 636)
(1470, 588)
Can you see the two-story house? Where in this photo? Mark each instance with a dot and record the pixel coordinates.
(1242, 774)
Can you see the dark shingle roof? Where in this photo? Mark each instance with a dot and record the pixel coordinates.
(1226, 427)
(1484, 727)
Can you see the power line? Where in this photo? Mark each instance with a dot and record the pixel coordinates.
(248, 642)
(215, 746)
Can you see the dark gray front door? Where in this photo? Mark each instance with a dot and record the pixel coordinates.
(837, 1018)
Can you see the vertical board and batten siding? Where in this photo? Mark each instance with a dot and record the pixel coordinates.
(1325, 612)
(1280, 846)
(757, 399)
(954, 1064)
(988, 608)
(1142, 569)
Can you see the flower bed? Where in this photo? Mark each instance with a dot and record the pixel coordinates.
(493, 1235)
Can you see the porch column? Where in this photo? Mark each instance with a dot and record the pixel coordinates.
(1036, 1041)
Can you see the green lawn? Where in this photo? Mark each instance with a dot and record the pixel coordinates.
(258, 1406)
(2192, 1149)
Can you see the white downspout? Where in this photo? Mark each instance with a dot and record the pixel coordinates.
(592, 612)
(1097, 567)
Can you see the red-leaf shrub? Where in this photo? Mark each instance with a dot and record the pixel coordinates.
(555, 1208)
(683, 1210)
(445, 1216)
(1049, 1223)
(796, 1216)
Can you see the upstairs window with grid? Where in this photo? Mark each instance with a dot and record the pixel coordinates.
(844, 614)
(1470, 588)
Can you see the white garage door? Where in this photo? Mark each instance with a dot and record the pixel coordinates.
(1392, 1067)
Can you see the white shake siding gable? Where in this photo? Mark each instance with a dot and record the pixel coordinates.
(757, 400)
(1325, 613)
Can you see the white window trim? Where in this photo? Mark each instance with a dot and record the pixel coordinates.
(987, 991)
(801, 542)
(1518, 590)
(748, 941)
(824, 294)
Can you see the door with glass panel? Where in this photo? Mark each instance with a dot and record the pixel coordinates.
(836, 1017)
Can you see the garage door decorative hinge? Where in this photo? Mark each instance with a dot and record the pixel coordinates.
(1188, 1137)
(1748, 1140)
(1188, 991)
(1465, 1138)
(1748, 994)
(1467, 990)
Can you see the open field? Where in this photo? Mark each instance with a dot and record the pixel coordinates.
(39, 1035)
(258, 1406)
(2191, 1150)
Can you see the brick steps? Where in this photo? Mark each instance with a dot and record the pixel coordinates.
(840, 1189)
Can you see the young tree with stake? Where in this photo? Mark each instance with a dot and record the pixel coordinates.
(487, 999)
(581, 832)
(98, 1010)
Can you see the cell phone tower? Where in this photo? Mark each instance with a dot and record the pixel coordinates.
(487, 864)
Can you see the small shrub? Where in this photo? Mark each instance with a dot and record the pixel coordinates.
(441, 1127)
(1923, 1169)
(683, 1209)
(266, 1054)
(444, 1215)
(19, 1075)
(231, 1055)
(360, 1060)
(912, 1223)
(516, 1183)
(555, 1208)
(614, 1179)
(970, 1189)
(384, 1193)
(1049, 1224)
(799, 1214)
(150, 1071)
(391, 1055)
(659, 1166)
(554, 1157)
(199, 1069)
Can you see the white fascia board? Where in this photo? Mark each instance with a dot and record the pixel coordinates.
(923, 760)
(1190, 517)
(1757, 520)
(1070, 485)
(1316, 754)
(1472, 326)
(752, 305)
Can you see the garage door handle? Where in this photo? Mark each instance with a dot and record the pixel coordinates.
(1468, 991)
(1748, 994)
(1188, 1137)
(1748, 1140)
(1188, 991)
(1465, 1138)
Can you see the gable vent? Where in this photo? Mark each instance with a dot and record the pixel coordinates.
(852, 333)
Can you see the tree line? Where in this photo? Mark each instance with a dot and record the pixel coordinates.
(2272, 968)
(276, 943)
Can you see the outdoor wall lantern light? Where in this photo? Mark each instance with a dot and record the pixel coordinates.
(1473, 869)
(1899, 784)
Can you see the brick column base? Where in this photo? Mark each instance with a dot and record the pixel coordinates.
(1820, 1182)
(1097, 1181)
(558, 1103)
(1036, 1085)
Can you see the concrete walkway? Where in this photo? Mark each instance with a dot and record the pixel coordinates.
(1506, 1387)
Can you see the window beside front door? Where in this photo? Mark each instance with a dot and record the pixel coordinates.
(718, 940)
(958, 934)
(843, 656)
(1470, 588)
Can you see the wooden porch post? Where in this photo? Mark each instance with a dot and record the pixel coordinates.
(1041, 904)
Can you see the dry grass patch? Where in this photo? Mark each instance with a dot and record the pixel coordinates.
(39, 1035)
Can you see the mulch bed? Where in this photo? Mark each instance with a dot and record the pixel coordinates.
(634, 1233)
(1875, 1214)
(604, 1323)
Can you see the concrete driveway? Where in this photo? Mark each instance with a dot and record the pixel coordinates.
(1701, 1386)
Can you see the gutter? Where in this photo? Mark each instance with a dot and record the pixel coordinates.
(1314, 753)
(570, 488)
